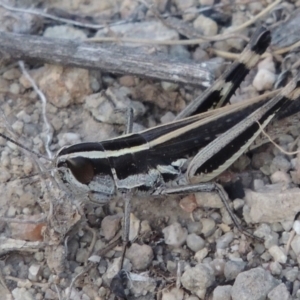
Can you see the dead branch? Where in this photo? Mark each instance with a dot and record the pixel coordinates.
(109, 58)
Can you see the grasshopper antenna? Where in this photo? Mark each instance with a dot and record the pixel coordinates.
(24, 147)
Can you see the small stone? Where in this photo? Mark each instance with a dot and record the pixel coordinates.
(296, 226)
(39, 256)
(275, 268)
(64, 32)
(280, 176)
(280, 163)
(267, 64)
(273, 204)
(264, 80)
(68, 138)
(206, 26)
(145, 227)
(195, 242)
(295, 244)
(114, 267)
(254, 284)
(185, 4)
(34, 272)
(198, 279)
(206, 2)
(140, 256)
(224, 240)
(200, 55)
(127, 8)
(222, 293)
(209, 227)
(63, 86)
(201, 254)
(194, 227)
(161, 5)
(238, 204)
(22, 294)
(15, 88)
(175, 235)
(291, 274)
(218, 265)
(173, 294)
(11, 212)
(18, 126)
(167, 118)
(12, 74)
(233, 268)
(287, 225)
(127, 80)
(208, 200)
(260, 159)
(134, 228)
(4, 85)
(280, 292)
(82, 255)
(258, 184)
(110, 226)
(188, 203)
(278, 254)
(169, 86)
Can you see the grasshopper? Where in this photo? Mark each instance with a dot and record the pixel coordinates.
(183, 156)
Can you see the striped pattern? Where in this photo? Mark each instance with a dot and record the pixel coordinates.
(215, 138)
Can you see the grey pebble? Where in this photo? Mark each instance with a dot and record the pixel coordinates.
(194, 227)
(140, 256)
(224, 240)
(280, 163)
(209, 226)
(81, 255)
(222, 292)
(254, 284)
(280, 292)
(175, 235)
(64, 32)
(295, 244)
(291, 274)
(198, 279)
(275, 268)
(110, 225)
(233, 268)
(195, 242)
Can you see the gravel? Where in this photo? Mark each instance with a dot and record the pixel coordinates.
(179, 250)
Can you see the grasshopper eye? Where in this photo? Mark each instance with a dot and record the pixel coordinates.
(81, 168)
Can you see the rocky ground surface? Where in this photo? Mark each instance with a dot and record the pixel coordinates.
(53, 245)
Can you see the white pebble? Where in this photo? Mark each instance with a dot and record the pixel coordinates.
(68, 138)
(296, 226)
(209, 226)
(34, 272)
(201, 254)
(264, 80)
(18, 126)
(206, 26)
(278, 254)
(295, 244)
(267, 64)
(280, 176)
(175, 235)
